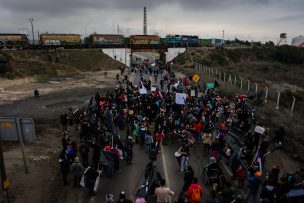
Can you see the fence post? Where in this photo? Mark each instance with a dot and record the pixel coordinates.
(20, 136)
(256, 87)
(220, 75)
(241, 83)
(212, 71)
(278, 99)
(216, 72)
(209, 70)
(292, 106)
(266, 94)
(224, 76)
(234, 79)
(248, 87)
(229, 79)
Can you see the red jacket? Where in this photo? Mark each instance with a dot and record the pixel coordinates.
(190, 191)
(159, 137)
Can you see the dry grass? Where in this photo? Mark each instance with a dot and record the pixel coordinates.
(51, 64)
(275, 76)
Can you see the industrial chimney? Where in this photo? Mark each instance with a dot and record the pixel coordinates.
(145, 20)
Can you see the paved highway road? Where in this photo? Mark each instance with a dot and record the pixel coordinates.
(132, 176)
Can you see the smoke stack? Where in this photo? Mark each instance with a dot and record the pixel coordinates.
(145, 20)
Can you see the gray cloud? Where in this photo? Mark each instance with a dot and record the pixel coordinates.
(258, 18)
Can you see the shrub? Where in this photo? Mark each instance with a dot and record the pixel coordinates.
(289, 54)
(219, 58)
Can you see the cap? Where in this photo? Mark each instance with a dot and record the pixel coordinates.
(122, 195)
(258, 174)
(108, 147)
(76, 159)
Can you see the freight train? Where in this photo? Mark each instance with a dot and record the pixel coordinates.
(105, 41)
(14, 41)
(181, 40)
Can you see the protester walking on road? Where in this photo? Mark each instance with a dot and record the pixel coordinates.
(129, 149)
(84, 153)
(185, 153)
(207, 141)
(254, 184)
(188, 178)
(64, 166)
(90, 179)
(64, 121)
(77, 171)
(195, 192)
(163, 193)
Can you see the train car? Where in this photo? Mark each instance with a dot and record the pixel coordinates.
(205, 42)
(13, 41)
(216, 42)
(182, 40)
(126, 40)
(144, 40)
(100, 40)
(189, 40)
(60, 40)
(173, 39)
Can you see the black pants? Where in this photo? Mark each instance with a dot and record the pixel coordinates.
(129, 157)
(77, 181)
(85, 160)
(65, 178)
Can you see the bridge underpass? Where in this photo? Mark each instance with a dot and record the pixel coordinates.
(124, 54)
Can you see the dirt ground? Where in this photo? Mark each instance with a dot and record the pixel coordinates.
(43, 182)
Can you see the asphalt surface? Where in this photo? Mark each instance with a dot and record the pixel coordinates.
(131, 176)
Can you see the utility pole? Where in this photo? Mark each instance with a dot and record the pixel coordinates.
(145, 21)
(31, 20)
(223, 38)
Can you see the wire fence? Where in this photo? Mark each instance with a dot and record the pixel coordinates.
(270, 95)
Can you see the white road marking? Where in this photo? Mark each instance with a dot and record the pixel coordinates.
(92, 199)
(226, 168)
(165, 166)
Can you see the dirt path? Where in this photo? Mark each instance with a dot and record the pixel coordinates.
(43, 183)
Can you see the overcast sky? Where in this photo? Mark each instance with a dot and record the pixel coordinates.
(260, 20)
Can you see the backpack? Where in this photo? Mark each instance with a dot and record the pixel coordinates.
(196, 195)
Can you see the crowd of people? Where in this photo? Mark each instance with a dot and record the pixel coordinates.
(169, 110)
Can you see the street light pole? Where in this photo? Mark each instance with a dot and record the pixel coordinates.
(31, 20)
